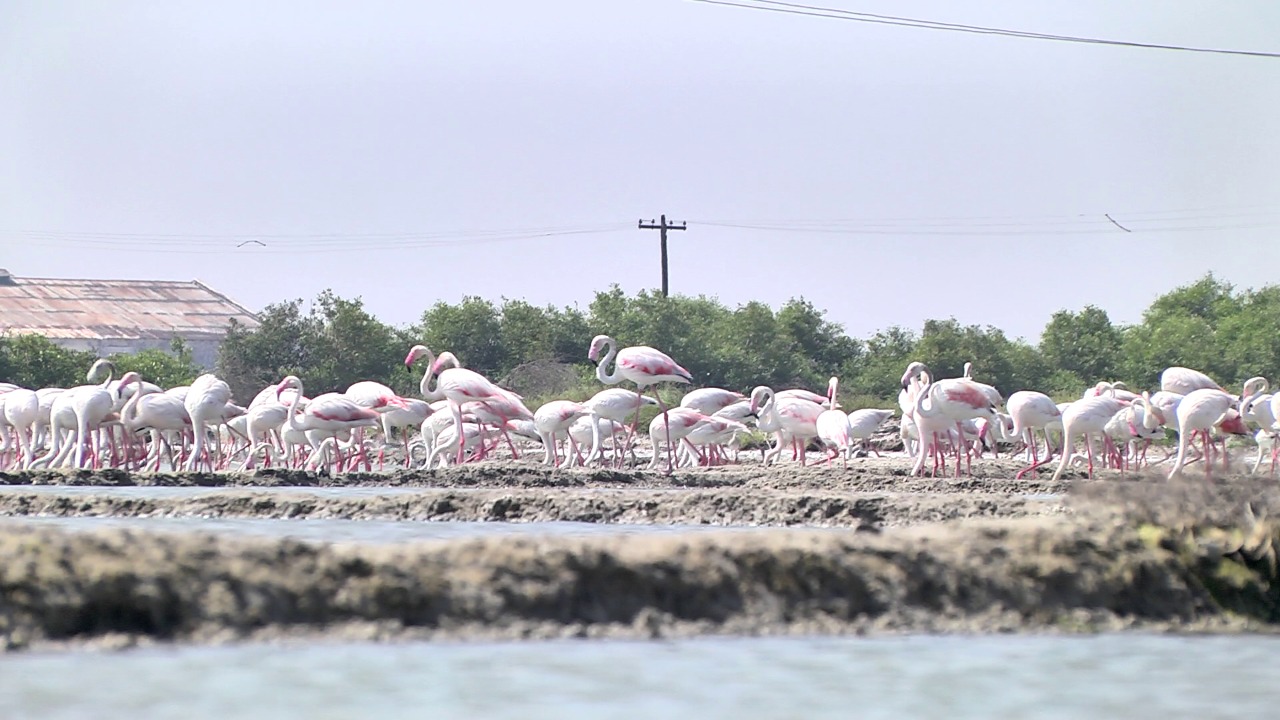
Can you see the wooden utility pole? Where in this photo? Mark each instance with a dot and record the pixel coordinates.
(662, 226)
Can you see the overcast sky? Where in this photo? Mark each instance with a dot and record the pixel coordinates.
(409, 152)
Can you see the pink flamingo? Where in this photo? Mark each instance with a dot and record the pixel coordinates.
(456, 384)
(330, 413)
(709, 401)
(643, 366)
(1185, 380)
(552, 421)
(793, 419)
(950, 402)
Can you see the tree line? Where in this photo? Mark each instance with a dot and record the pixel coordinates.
(1208, 325)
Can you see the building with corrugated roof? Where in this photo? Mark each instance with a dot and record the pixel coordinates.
(120, 316)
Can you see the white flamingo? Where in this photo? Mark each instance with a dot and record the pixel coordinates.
(1200, 411)
(642, 365)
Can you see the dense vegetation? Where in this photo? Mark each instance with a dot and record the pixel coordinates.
(1207, 325)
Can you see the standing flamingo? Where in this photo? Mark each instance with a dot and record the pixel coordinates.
(205, 402)
(643, 366)
(1200, 411)
(618, 405)
(1032, 411)
(1085, 417)
(863, 424)
(950, 402)
(793, 419)
(709, 401)
(332, 414)
(456, 384)
(833, 427)
(1185, 380)
(21, 410)
(1255, 407)
(552, 421)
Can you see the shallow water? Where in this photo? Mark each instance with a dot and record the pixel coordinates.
(1130, 676)
(361, 531)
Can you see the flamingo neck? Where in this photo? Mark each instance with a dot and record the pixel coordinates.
(609, 378)
(129, 412)
(429, 393)
(926, 390)
(293, 409)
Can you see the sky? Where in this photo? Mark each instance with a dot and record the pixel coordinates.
(409, 152)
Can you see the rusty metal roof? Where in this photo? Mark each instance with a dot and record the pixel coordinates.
(61, 308)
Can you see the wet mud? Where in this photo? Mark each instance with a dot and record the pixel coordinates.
(987, 554)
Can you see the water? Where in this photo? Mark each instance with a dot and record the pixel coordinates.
(1109, 676)
(361, 531)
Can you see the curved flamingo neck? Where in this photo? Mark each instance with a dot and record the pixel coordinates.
(616, 376)
(926, 389)
(129, 412)
(293, 409)
(429, 393)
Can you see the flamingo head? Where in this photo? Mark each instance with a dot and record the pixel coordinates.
(760, 397)
(597, 344)
(913, 371)
(444, 362)
(96, 369)
(417, 351)
(129, 377)
(1233, 423)
(291, 381)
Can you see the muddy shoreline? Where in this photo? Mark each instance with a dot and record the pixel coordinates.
(984, 554)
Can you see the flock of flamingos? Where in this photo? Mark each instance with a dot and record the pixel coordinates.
(462, 416)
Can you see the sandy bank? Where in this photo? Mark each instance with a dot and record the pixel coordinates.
(1147, 555)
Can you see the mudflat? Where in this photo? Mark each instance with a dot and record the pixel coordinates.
(897, 554)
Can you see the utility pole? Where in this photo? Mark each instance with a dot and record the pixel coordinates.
(662, 226)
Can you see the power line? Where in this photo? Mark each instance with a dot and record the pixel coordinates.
(790, 8)
(286, 244)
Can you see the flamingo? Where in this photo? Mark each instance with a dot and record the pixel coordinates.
(1200, 411)
(329, 414)
(205, 402)
(641, 365)
(585, 431)
(411, 415)
(618, 405)
(792, 418)
(157, 412)
(709, 401)
(470, 437)
(993, 394)
(1032, 411)
(950, 402)
(1256, 407)
(552, 420)
(1086, 417)
(711, 433)
(1137, 421)
(806, 395)
(676, 425)
(81, 409)
(863, 425)
(833, 427)
(22, 410)
(456, 384)
(1116, 389)
(1185, 380)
